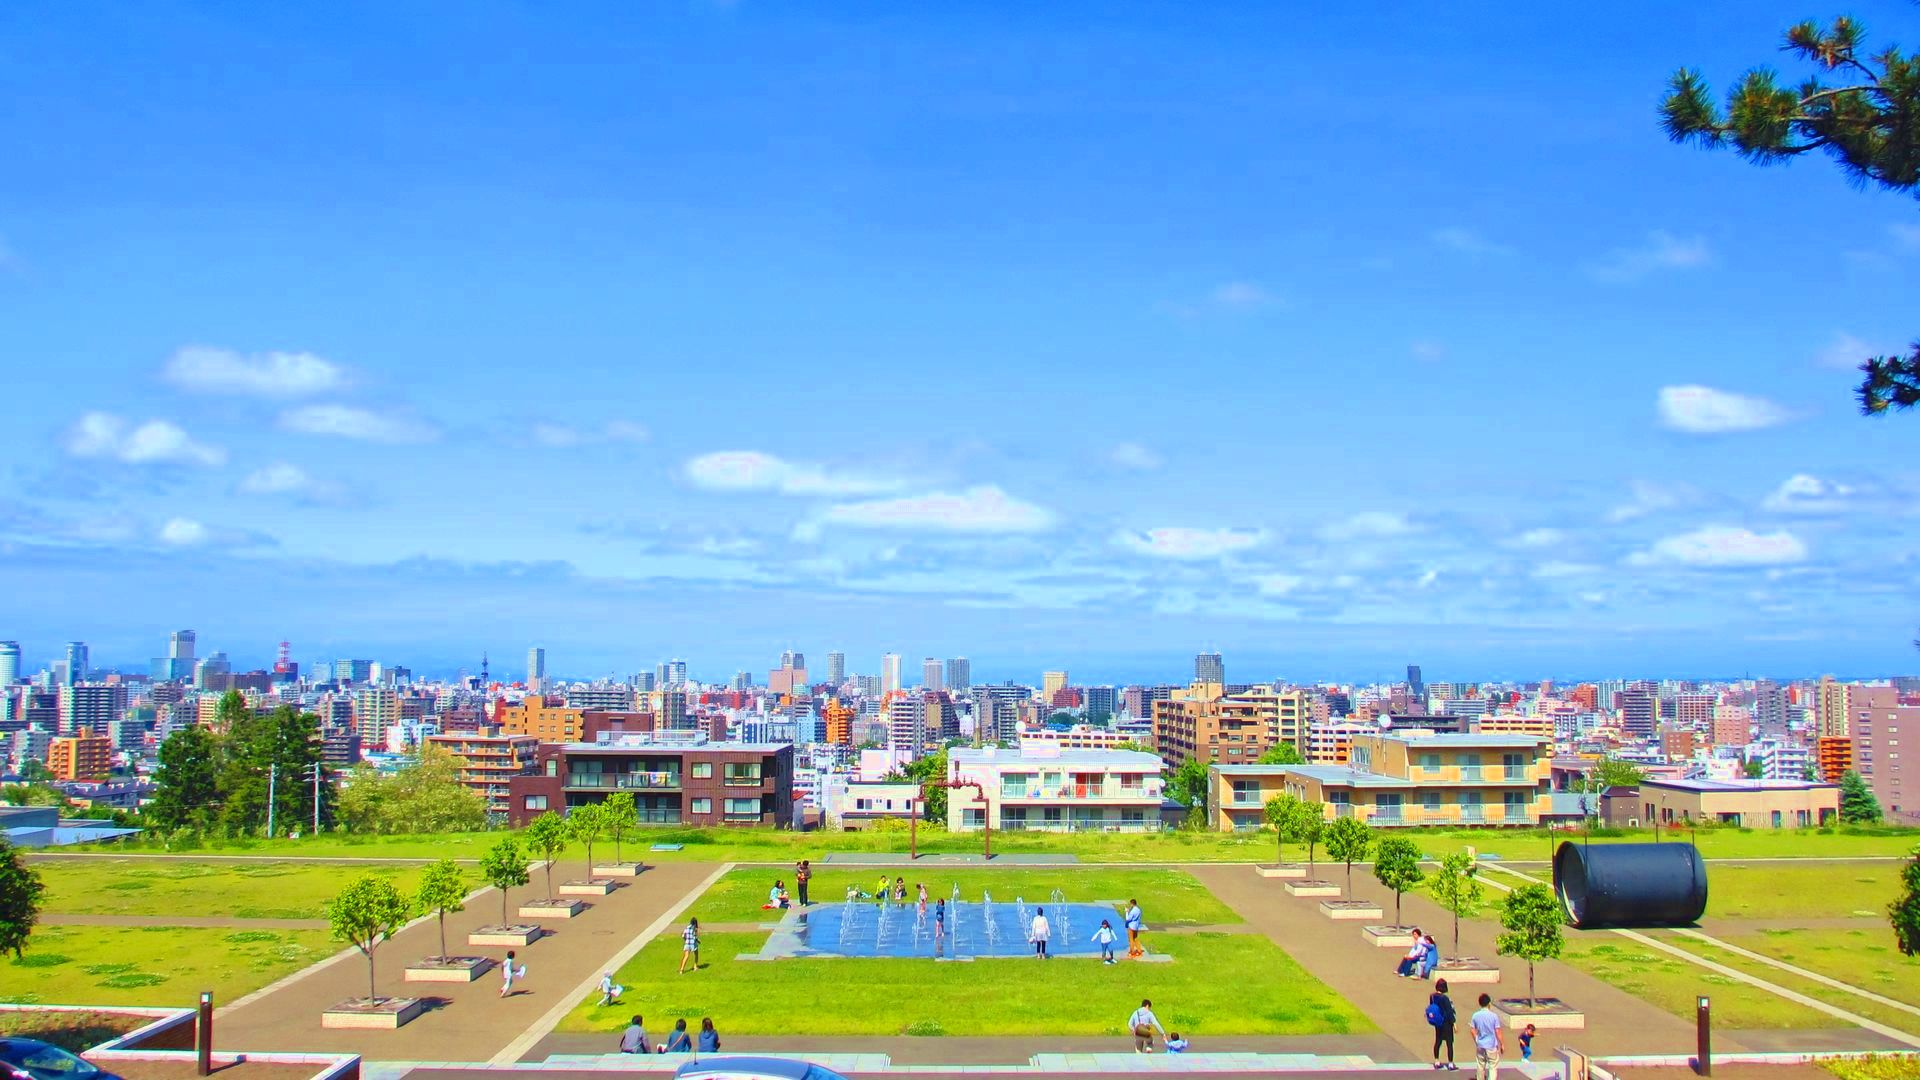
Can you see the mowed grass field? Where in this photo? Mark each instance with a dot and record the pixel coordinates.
(1167, 897)
(240, 890)
(1853, 1003)
(1809, 890)
(1865, 957)
(114, 965)
(1217, 984)
(1672, 984)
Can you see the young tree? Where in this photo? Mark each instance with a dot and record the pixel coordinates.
(1857, 804)
(1457, 888)
(548, 834)
(20, 890)
(1753, 769)
(186, 785)
(1348, 839)
(620, 817)
(1865, 122)
(1282, 812)
(505, 868)
(1311, 827)
(1530, 920)
(1396, 864)
(1905, 912)
(588, 824)
(1282, 754)
(443, 889)
(366, 913)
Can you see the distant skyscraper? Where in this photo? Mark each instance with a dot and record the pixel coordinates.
(792, 659)
(1638, 705)
(1208, 667)
(536, 669)
(676, 673)
(1416, 686)
(180, 646)
(959, 674)
(889, 673)
(348, 672)
(78, 665)
(1052, 682)
(931, 674)
(9, 663)
(836, 668)
(644, 681)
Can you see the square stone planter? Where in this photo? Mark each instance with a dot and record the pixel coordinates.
(1466, 969)
(453, 969)
(1350, 909)
(553, 907)
(586, 888)
(618, 869)
(1390, 937)
(1543, 1013)
(1312, 887)
(379, 1013)
(511, 937)
(1281, 871)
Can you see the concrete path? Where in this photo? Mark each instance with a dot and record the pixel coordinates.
(464, 1022)
(210, 922)
(984, 1050)
(1335, 953)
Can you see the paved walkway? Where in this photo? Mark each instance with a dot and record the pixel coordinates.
(211, 922)
(464, 1022)
(984, 1050)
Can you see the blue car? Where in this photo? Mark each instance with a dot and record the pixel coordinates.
(31, 1059)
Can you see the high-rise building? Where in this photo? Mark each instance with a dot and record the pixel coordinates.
(793, 659)
(78, 665)
(1100, 699)
(375, 710)
(1208, 667)
(1051, 683)
(536, 669)
(1694, 710)
(9, 663)
(352, 672)
(81, 755)
(1638, 707)
(889, 673)
(90, 705)
(180, 645)
(959, 674)
(1770, 707)
(932, 674)
(676, 673)
(1416, 686)
(836, 668)
(1832, 716)
(906, 716)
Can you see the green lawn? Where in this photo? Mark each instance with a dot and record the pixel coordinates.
(1817, 889)
(1866, 958)
(1167, 897)
(1218, 984)
(1673, 984)
(1853, 1003)
(244, 890)
(95, 965)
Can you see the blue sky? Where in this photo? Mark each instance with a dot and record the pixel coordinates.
(1052, 335)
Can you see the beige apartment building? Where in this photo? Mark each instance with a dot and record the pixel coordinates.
(488, 761)
(1204, 723)
(1750, 804)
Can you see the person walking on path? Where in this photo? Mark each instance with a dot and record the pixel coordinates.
(1440, 1014)
(511, 973)
(802, 874)
(1135, 927)
(1039, 933)
(634, 1039)
(1488, 1040)
(709, 1038)
(690, 946)
(679, 1042)
(1104, 938)
(1143, 1024)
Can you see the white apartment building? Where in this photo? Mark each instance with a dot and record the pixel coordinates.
(857, 804)
(1055, 791)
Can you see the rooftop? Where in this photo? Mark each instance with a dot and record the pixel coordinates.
(1685, 784)
(1468, 742)
(1107, 758)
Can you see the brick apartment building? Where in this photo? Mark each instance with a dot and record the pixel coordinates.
(676, 778)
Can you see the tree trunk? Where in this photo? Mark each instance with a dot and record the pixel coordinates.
(589, 860)
(503, 905)
(549, 869)
(1456, 928)
(1280, 850)
(373, 996)
(1396, 907)
(1531, 1000)
(616, 844)
(443, 932)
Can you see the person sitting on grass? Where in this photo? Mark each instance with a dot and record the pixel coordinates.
(899, 890)
(776, 897)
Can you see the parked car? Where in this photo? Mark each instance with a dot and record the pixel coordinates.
(31, 1059)
(742, 1067)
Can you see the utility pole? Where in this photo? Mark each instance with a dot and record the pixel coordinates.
(273, 774)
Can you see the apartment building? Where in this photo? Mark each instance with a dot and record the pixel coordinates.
(488, 760)
(676, 777)
(1055, 790)
(858, 804)
(1537, 725)
(1330, 741)
(1875, 722)
(1750, 804)
(1205, 723)
(1411, 778)
(1077, 737)
(80, 756)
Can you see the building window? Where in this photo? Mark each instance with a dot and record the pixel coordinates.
(703, 770)
(536, 802)
(743, 808)
(705, 806)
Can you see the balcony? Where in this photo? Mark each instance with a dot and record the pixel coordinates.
(628, 781)
(744, 781)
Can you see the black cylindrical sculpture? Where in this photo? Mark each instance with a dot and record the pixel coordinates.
(1606, 885)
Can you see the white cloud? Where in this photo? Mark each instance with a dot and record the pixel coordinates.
(183, 532)
(1722, 545)
(563, 436)
(279, 478)
(1181, 542)
(981, 509)
(1427, 579)
(206, 369)
(1368, 523)
(1538, 538)
(1661, 251)
(751, 470)
(1647, 499)
(1278, 584)
(1803, 493)
(1130, 455)
(353, 422)
(156, 442)
(1555, 568)
(1702, 410)
(1467, 242)
(1907, 236)
(1846, 352)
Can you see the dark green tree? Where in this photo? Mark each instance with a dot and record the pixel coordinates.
(1396, 864)
(1282, 754)
(1754, 769)
(186, 785)
(1857, 804)
(273, 754)
(1867, 119)
(20, 890)
(930, 767)
(1905, 912)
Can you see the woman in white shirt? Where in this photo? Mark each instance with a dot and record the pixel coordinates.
(1039, 933)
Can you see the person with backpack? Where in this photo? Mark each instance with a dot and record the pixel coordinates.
(1440, 1017)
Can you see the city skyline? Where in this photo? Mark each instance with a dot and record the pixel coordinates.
(1122, 333)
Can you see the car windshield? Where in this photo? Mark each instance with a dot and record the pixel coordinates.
(48, 1063)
